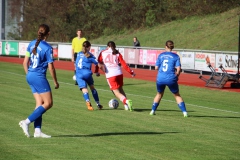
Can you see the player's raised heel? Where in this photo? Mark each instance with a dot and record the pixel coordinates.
(89, 105)
(129, 103)
(24, 127)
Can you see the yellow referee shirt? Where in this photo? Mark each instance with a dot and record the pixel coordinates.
(77, 44)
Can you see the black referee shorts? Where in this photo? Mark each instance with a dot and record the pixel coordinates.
(75, 56)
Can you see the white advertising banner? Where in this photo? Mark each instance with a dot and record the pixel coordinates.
(22, 48)
(201, 63)
(101, 48)
(64, 51)
(187, 60)
(143, 56)
(94, 51)
(121, 50)
(228, 61)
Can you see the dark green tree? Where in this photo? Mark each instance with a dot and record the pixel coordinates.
(104, 17)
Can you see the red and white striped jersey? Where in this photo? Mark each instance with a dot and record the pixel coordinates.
(112, 63)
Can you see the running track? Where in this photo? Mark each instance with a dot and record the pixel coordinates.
(143, 74)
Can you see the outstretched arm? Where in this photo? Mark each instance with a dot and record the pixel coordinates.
(125, 66)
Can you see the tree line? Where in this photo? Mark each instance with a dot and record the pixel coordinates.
(104, 17)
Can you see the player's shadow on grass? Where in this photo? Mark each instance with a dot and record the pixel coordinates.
(212, 116)
(127, 84)
(130, 84)
(116, 134)
(165, 110)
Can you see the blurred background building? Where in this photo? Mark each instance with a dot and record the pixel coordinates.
(8, 22)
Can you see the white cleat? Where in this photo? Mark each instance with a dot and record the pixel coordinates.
(152, 113)
(41, 135)
(185, 114)
(25, 127)
(126, 107)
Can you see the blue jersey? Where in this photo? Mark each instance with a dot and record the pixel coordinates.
(83, 64)
(83, 69)
(167, 62)
(44, 55)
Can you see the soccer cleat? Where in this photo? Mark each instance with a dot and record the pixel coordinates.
(100, 106)
(152, 113)
(24, 126)
(129, 103)
(41, 135)
(126, 107)
(185, 114)
(89, 105)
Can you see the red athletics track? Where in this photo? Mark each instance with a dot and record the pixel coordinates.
(144, 74)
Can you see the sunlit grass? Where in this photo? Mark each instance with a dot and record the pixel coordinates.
(211, 131)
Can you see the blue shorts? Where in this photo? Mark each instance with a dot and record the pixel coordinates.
(38, 83)
(84, 79)
(173, 86)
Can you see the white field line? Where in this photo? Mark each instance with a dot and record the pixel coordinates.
(188, 104)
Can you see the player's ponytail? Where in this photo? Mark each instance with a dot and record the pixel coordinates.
(170, 44)
(112, 45)
(34, 51)
(43, 32)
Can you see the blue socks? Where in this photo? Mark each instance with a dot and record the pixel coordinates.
(37, 113)
(155, 106)
(95, 95)
(38, 122)
(182, 106)
(86, 97)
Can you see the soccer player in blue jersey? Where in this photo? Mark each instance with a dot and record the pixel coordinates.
(83, 64)
(169, 68)
(38, 58)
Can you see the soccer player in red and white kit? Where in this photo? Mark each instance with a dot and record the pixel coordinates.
(112, 61)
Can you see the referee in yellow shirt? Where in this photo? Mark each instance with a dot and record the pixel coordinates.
(77, 43)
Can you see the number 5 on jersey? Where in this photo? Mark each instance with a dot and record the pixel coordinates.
(165, 65)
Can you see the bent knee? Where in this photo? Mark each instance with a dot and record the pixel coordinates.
(48, 105)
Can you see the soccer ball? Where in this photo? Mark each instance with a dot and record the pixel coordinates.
(113, 104)
(74, 77)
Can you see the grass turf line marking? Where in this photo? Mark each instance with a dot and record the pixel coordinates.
(138, 95)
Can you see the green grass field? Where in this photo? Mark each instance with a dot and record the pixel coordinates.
(210, 133)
